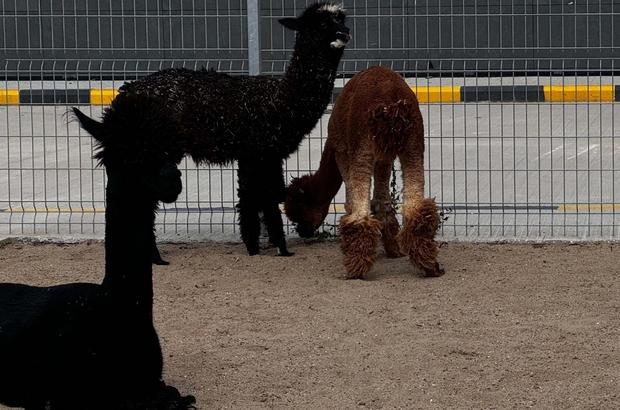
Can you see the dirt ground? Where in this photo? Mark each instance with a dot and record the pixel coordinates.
(509, 326)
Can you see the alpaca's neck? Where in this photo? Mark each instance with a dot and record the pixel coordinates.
(327, 180)
(308, 82)
(129, 239)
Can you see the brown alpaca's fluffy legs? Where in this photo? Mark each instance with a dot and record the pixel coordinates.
(382, 209)
(360, 232)
(359, 244)
(417, 238)
(420, 216)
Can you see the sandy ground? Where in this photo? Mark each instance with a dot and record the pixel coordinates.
(510, 326)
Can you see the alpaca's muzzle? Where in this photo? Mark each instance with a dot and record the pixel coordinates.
(342, 39)
(168, 183)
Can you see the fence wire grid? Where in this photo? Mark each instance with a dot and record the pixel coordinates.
(499, 170)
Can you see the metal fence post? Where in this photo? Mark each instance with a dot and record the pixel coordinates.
(254, 37)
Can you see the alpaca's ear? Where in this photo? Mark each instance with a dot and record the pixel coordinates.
(291, 23)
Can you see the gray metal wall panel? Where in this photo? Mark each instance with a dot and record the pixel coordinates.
(98, 38)
(474, 36)
(579, 35)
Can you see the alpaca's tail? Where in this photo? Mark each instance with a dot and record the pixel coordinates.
(391, 125)
(91, 126)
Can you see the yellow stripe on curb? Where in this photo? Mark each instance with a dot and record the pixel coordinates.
(437, 94)
(103, 96)
(590, 207)
(9, 97)
(578, 93)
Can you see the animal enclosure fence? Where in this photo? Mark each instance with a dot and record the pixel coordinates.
(518, 99)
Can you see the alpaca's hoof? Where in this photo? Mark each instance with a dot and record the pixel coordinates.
(156, 257)
(168, 398)
(355, 275)
(284, 252)
(390, 253)
(360, 237)
(253, 250)
(438, 271)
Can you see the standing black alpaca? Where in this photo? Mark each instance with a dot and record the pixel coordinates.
(257, 120)
(87, 346)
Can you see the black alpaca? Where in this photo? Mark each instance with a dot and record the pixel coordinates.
(87, 346)
(257, 120)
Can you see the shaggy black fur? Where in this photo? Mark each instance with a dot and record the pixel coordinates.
(257, 120)
(88, 346)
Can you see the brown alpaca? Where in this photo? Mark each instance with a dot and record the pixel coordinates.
(375, 119)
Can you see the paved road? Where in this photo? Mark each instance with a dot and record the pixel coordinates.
(499, 170)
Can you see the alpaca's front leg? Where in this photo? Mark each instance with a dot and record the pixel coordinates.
(273, 193)
(275, 227)
(249, 207)
(156, 257)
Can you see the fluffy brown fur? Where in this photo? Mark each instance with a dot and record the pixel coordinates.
(417, 237)
(359, 244)
(375, 119)
(386, 213)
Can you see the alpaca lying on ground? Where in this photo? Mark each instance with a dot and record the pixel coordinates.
(257, 120)
(84, 346)
(375, 119)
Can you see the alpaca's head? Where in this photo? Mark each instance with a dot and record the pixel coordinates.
(323, 23)
(165, 183)
(302, 207)
(138, 141)
(156, 180)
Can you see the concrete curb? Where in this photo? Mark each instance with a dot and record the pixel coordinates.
(433, 94)
(57, 97)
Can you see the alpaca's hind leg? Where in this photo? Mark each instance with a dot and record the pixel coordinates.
(261, 188)
(383, 210)
(359, 231)
(420, 216)
(417, 236)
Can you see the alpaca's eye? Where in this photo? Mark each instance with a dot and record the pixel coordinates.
(323, 25)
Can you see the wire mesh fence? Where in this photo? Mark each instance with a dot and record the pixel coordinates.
(501, 166)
